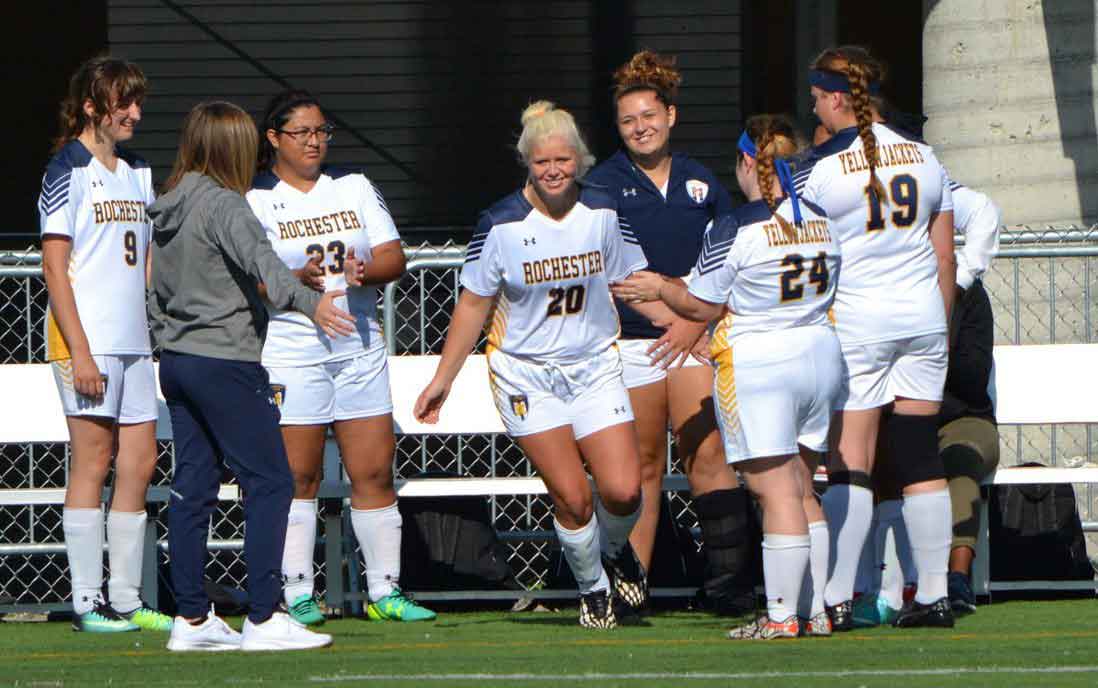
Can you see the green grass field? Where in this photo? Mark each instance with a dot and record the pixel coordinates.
(1009, 644)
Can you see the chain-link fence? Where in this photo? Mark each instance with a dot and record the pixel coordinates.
(1042, 287)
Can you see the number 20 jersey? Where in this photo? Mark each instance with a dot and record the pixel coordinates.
(889, 287)
(103, 213)
(343, 210)
(551, 279)
(769, 280)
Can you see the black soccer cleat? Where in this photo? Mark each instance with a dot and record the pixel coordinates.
(961, 597)
(628, 579)
(937, 614)
(597, 610)
(842, 616)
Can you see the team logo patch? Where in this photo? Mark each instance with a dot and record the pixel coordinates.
(697, 189)
(278, 394)
(519, 405)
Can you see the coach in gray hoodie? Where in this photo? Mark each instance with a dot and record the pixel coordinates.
(209, 254)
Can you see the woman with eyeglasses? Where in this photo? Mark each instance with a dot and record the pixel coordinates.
(332, 228)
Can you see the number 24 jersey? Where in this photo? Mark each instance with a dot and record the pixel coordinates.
(769, 280)
(551, 279)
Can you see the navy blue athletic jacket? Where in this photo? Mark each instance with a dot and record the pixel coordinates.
(669, 230)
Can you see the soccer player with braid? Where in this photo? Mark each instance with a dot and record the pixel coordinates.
(667, 199)
(890, 202)
(768, 272)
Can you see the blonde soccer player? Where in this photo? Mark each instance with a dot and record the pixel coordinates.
(768, 271)
(890, 202)
(332, 227)
(95, 249)
(540, 262)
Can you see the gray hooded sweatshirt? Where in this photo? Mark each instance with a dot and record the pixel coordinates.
(209, 252)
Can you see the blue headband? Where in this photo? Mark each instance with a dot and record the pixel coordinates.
(837, 82)
(785, 175)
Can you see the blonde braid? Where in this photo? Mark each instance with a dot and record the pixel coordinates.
(764, 170)
(858, 76)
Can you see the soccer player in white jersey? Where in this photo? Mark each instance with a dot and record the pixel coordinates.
(95, 239)
(773, 264)
(333, 229)
(889, 201)
(540, 261)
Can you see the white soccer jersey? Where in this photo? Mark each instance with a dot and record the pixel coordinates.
(343, 210)
(976, 217)
(103, 212)
(769, 281)
(551, 279)
(889, 288)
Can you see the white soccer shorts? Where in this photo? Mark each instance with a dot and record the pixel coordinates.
(341, 390)
(130, 395)
(876, 374)
(776, 390)
(533, 397)
(637, 368)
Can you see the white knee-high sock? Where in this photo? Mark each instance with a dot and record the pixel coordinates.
(811, 601)
(125, 549)
(614, 530)
(785, 563)
(892, 547)
(297, 555)
(869, 569)
(584, 557)
(84, 544)
(379, 534)
(929, 520)
(849, 510)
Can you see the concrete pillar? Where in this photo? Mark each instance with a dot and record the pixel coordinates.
(1009, 87)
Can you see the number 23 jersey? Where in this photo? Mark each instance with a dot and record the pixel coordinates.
(103, 213)
(342, 211)
(889, 288)
(551, 279)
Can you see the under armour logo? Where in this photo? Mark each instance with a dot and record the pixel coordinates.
(97, 184)
(278, 206)
(618, 410)
(631, 191)
(531, 240)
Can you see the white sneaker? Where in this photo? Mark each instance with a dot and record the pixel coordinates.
(212, 635)
(280, 632)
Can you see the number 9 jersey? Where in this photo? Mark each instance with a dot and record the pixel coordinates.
(889, 290)
(551, 278)
(103, 213)
(769, 281)
(342, 211)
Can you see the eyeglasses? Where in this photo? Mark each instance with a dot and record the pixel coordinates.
(323, 134)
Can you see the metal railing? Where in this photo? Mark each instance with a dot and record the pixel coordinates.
(1042, 284)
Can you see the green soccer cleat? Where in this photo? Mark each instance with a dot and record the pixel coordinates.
(872, 610)
(396, 606)
(305, 610)
(102, 619)
(149, 619)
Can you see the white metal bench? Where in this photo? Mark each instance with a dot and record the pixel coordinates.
(1046, 384)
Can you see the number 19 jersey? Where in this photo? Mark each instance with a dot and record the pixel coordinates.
(342, 211)
(551, 278)
(889, 289)
(103, 213)
(769, 281)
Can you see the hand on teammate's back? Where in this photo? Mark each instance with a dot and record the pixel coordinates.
(334, 321)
